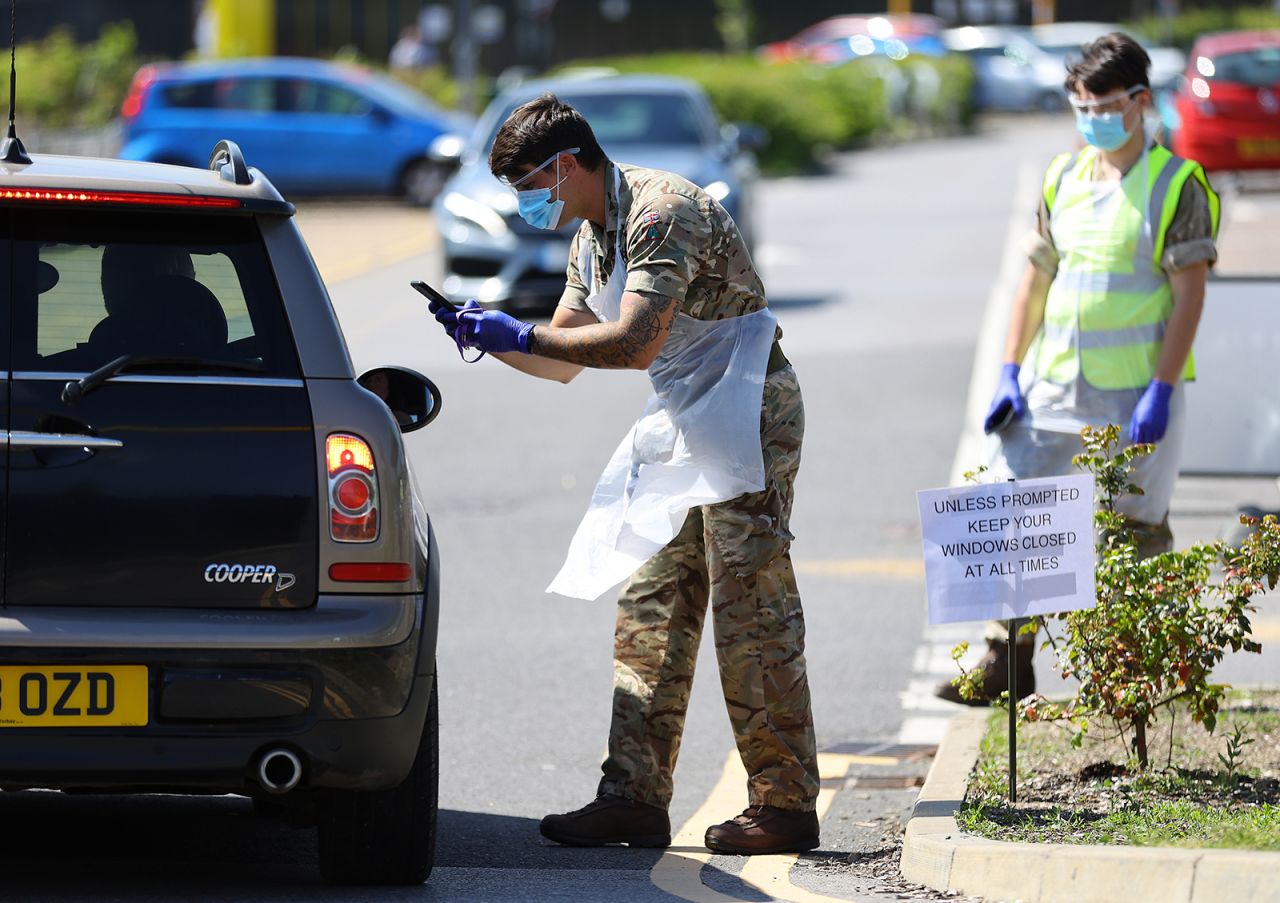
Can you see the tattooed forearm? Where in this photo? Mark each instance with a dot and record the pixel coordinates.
(629, 344)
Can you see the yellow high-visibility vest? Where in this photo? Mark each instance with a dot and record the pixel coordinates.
(1110, 264)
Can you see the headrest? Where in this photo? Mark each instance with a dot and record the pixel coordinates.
(176, 316)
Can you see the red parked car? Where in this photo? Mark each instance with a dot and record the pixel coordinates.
(1229, 106)
(827, 42)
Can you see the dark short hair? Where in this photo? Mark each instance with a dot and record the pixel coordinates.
(1114, 62)
(539, 129)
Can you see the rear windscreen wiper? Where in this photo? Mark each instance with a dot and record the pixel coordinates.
(78, 388)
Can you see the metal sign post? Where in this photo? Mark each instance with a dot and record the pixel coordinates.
(1014, 624)
(1013, 698)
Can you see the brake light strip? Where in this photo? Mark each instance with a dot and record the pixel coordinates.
(134, 198)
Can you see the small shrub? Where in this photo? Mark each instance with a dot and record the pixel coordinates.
(1160, 624)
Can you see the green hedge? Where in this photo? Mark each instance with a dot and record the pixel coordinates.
(433, 81)
(63, 84)
(809, 110)
(1185, 27)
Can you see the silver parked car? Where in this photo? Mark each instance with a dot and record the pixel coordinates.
(493, 256)
(1011, 72)
(1064, 40)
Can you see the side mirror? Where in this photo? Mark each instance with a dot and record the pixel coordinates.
(381, 115)
(447, 149)
(752, 137)
(745, 136)
(413, 399)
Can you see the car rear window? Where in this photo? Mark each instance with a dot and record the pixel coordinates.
(197, 95)
(633, 118)
(104, 284)
(253, 93)
(1258, 68)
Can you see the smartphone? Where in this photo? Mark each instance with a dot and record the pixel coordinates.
(433, 295)
(1005, 419)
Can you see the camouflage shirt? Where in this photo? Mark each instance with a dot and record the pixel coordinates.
(677, 241)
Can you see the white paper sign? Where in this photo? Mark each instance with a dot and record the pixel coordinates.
(1008, 550)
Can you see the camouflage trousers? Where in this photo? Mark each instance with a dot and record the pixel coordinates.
(735, 556)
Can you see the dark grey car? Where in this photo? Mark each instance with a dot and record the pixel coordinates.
(492, 255)
(217, 573)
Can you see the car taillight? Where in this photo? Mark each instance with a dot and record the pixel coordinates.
(132, 198)
(137, 95)
(370, 572)
(353, 489)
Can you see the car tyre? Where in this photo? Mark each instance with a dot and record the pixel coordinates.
(1051, 102)
(385, 836)
(421, 181)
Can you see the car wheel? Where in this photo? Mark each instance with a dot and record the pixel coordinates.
(1051, 102)
(385, 836)
(421, 181)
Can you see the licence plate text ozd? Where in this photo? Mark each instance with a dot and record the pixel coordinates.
(73, 696)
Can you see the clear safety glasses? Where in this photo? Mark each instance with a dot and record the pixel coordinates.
(1105, 106)
(515, 186)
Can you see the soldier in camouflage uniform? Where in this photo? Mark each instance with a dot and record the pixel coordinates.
(684, 253)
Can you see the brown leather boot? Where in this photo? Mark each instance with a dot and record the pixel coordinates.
(765, 829)
(995, 674)
(610, 819)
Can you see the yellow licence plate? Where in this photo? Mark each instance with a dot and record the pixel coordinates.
(1257, 148)
(73, 696)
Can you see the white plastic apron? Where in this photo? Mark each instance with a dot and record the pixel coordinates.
(1044, 441)
(697, 442)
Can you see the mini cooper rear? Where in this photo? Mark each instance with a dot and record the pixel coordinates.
(217, 575)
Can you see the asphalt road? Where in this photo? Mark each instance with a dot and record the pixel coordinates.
(880, 274)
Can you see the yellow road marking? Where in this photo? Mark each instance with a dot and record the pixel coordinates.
(391, 254)
(892, 568)
(833, 766)
(1266, 630)
(349, 240)
(679, 871)
(772, 874)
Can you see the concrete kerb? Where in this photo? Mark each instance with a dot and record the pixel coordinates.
(935, 853)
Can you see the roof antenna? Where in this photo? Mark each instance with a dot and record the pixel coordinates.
(11, 149)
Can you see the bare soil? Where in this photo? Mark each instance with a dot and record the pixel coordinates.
(1062, 788)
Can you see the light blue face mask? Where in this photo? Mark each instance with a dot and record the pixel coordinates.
(535, 204)
(1104, 131)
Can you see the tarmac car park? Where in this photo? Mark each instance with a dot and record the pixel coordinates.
(218, 577)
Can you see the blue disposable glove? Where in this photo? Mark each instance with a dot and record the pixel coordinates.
(492, 330)
(445, 316)
(1007, 403)
(1151, 417)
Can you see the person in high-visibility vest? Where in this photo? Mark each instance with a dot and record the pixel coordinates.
(1106, 311)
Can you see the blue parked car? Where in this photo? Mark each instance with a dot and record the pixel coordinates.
(311, 126)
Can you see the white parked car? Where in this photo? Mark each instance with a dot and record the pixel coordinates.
(1064, 40)
(1011, 72)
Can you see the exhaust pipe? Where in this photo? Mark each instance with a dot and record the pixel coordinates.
(279, 770)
